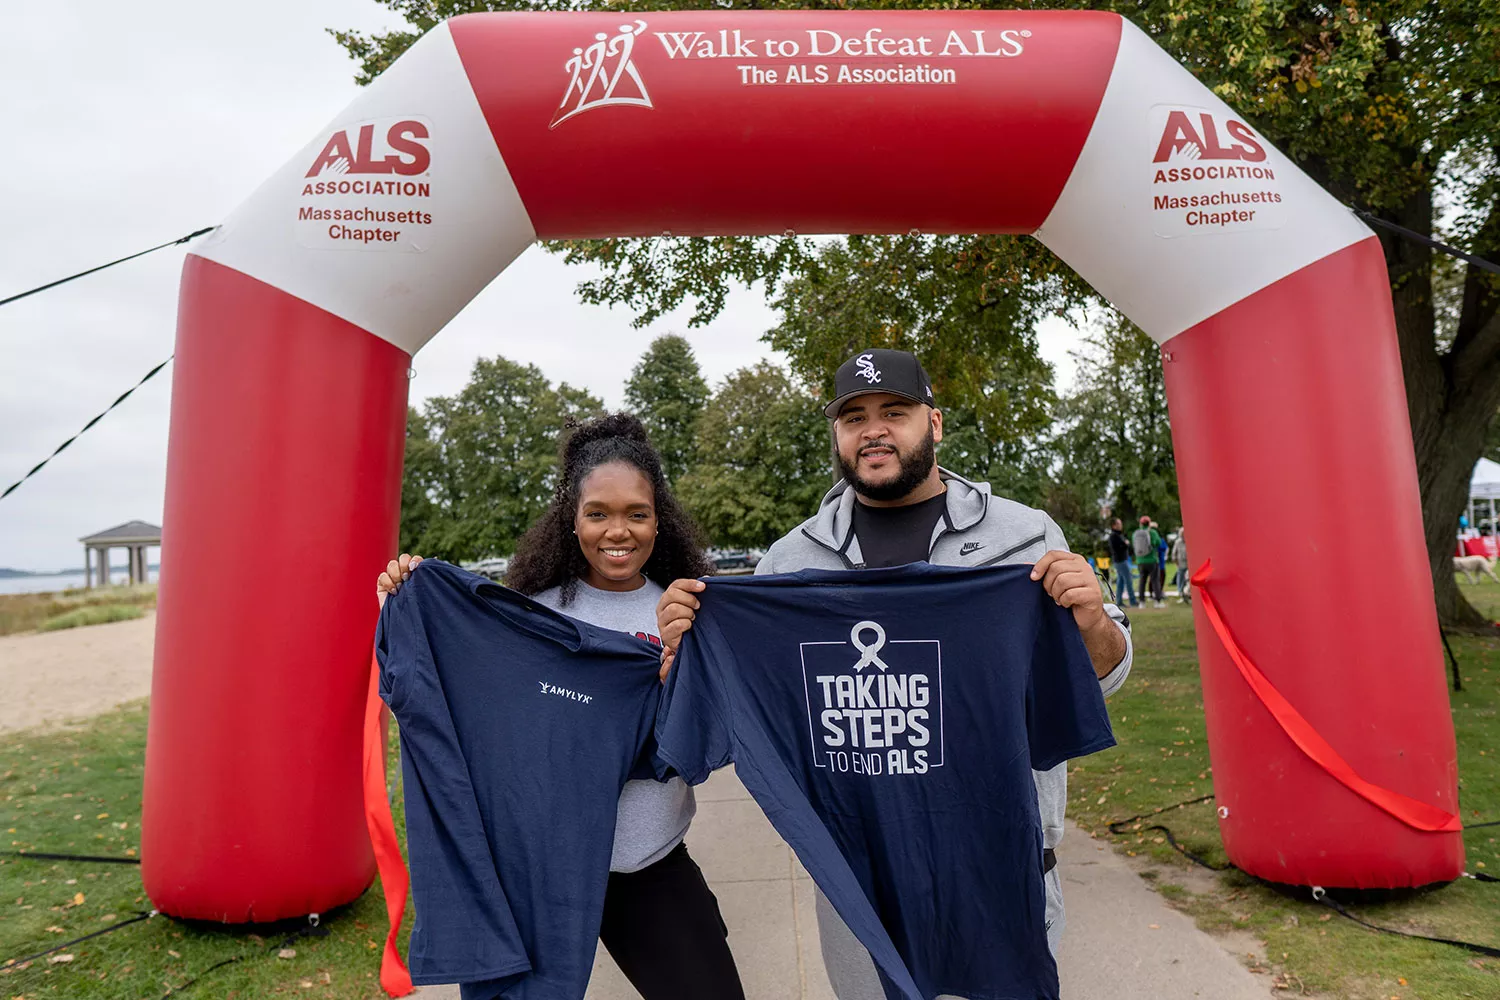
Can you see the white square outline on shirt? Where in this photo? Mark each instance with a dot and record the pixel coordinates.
(807, 694)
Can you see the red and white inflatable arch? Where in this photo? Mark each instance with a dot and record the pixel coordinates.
(1332, 747)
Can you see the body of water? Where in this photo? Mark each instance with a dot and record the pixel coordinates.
(60, 581)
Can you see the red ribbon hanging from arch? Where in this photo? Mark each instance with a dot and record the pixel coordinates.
(394, 977)
(1415, 814)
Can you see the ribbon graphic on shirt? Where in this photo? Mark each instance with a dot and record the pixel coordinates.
(869, 653)
(887, 721)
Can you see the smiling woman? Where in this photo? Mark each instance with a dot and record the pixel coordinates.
(613, 537)
(613, 524)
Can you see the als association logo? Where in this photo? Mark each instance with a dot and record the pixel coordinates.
(604, 75)
(1181, 139)
(874, 706)
(403, 150)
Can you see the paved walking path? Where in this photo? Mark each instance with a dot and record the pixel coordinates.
(1122, 943)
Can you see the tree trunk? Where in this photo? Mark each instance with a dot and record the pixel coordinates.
(1443, 470)
(1448, 415)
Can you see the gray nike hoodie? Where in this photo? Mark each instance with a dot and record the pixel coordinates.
(977, 529)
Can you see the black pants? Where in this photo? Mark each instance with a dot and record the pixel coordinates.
(663, 929)
(1150, 581)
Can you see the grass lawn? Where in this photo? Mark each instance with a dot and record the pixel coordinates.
(1162, 759)
(70, 608)
(78, 790)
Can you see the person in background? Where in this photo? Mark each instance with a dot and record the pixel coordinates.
(1161, 560)
(1180, 557)
(613, 537)
(1119, 554)
(1143, 543)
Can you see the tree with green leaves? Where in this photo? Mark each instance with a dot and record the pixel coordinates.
(764, 459)
(1392, 105)
(975, 338)
(421, 471)
(480, 465)
(1113, 437)
(666, 390)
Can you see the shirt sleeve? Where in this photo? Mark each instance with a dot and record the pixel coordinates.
(465, 931)
(692, 728)
(1065, 713)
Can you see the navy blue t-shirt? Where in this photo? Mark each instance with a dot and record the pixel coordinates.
(887, 721)
(519, 727)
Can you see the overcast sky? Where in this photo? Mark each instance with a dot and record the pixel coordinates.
(131, 124)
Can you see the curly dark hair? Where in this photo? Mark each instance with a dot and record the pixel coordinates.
(548, 555)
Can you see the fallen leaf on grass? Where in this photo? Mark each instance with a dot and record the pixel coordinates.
(306, 984)
(173, 953)
(54, 929)
(55, 959)
(287, 953)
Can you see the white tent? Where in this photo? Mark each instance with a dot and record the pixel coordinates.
(1484, 484)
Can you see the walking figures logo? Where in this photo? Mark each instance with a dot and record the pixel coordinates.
(866, 365)
(878, 712)
(604, 74)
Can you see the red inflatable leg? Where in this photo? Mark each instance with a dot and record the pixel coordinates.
(1295, 462)
(283, 491)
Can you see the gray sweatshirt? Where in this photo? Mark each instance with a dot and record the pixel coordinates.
(977, 529)
(654, 815)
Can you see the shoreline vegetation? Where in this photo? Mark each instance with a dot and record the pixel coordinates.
(73, 608)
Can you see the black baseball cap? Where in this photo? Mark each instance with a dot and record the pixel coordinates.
(880, 370)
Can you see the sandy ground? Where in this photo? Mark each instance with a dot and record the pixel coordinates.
(54, 677)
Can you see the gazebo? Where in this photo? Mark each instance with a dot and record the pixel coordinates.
(133, 536)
